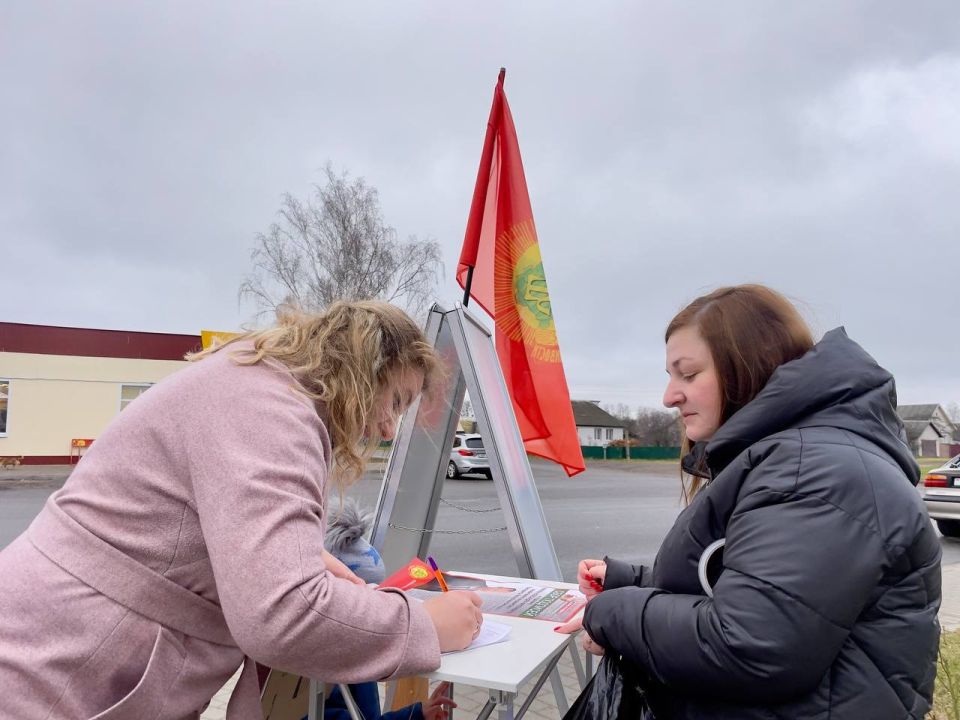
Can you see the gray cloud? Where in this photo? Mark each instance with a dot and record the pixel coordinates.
(669, 149)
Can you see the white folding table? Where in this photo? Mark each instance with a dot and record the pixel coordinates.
(531, 653)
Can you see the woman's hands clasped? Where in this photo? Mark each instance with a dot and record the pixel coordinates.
(457, 618)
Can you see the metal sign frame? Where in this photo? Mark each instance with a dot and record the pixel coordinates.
(416, 469)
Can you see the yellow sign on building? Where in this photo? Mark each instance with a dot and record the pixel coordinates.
(215, 337)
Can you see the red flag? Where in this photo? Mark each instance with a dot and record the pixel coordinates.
(508, 282)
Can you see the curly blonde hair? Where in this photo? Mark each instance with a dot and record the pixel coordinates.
(344, 357)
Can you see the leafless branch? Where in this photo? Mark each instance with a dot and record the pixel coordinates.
(335, 245)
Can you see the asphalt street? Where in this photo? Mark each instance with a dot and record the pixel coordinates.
(614, 508)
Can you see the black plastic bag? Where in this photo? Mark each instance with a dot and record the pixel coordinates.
(613, 693)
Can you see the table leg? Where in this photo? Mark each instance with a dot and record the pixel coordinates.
(548, 672)
(487, 709)
(504, 705)
(577, 665)
(558, 692)
(315, 700)
(352, 708)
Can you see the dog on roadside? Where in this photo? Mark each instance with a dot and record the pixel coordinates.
(10, 461)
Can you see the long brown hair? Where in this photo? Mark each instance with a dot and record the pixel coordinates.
(751, 330)
(344, 357)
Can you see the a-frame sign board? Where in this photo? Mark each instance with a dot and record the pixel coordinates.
(417, 467)
(418, 462)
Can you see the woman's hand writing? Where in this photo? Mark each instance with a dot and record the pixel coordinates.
(457, 618)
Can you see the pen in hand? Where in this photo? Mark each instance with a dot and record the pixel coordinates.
(438, 574)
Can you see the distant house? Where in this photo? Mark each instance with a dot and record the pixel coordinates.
(930, 432)
(596, 426)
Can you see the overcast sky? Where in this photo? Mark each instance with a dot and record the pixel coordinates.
(669, 149)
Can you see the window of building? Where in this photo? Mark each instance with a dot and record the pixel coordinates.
(609, 433)
(129, 393)
(4, 404)
(597, 433)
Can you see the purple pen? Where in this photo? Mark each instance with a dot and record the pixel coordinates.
(438, 574)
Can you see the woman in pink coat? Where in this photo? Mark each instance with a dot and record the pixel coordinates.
(189, 540)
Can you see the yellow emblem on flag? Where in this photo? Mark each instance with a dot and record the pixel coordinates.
(521, 298)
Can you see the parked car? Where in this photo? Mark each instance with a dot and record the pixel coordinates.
(467, 456)
(941, 494)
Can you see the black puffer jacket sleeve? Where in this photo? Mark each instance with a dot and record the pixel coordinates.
(624, 574)
(798, 570)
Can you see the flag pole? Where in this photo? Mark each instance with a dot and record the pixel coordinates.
(466, 286)
(485, 161)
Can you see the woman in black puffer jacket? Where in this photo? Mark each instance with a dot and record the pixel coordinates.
(822, 599)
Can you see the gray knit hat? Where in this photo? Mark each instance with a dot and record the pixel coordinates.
(345, 541)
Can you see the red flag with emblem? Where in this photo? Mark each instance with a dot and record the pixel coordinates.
(508, 282)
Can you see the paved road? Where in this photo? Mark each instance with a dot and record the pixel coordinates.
(22, 493)
(615, 508)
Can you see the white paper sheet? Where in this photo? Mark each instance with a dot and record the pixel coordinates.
(491, 632)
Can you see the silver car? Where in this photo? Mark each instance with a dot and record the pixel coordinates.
(467, 456)
(941, 494)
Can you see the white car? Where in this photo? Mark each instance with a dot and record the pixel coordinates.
(467, 456)
(941, 495)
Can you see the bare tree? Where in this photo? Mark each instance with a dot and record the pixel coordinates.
(659, 428)
(953, 410)
(621, 411)
(336, 246)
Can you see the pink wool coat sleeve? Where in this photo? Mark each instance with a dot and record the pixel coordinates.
(257, 482)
